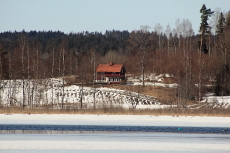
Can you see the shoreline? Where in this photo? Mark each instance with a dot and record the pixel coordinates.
(175, 112)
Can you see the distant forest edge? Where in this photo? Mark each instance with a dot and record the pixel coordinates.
(194, 61)
(78, 42)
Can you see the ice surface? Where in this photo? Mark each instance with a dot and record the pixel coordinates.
(126, 120)
(115, 142)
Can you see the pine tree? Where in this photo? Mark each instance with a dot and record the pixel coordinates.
(204, 28)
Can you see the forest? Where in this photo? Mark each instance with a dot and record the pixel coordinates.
(199, 63)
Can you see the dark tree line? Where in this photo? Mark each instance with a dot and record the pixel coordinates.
(79, 42)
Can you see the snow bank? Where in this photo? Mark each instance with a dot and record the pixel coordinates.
(216, 101)
(125, 120)
(156, 84)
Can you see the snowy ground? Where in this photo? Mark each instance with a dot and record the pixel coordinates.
(216, 101)
(115, 142)
(53, 91)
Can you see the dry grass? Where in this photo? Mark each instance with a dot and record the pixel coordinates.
(165, 95)
(120, 111)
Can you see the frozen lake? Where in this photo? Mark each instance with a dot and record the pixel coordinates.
(114, 142)
(25, 128)
(65, 133)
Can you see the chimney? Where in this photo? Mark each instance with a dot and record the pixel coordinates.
(110, 63)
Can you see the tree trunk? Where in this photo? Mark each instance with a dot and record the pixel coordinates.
(22, 45)
(52, 77)
(63, 76)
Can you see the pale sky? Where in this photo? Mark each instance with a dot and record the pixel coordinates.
(100, 15)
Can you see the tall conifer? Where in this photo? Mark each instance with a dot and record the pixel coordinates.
(204, 28)
(221, 24)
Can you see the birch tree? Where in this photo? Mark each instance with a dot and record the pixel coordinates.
(168, 33)
(22, 44)
(159, 30)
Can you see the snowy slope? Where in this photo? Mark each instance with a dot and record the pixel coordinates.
(54, 91)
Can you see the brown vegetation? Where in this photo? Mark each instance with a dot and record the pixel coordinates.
(175, 112)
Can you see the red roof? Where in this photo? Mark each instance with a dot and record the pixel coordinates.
(109, 68)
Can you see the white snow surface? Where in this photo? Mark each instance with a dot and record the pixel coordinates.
(54, 91)
(216, 101)
(126, 120)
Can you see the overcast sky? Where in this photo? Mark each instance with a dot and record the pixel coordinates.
(100, 15)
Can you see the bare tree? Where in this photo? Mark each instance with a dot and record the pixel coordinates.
(178, 31)
(159, 30)
(94, 78)
(168, 32)
(1, 86)
(63, 75)
(141, 43)
(52, 77)
(214, 20)
(22, 44)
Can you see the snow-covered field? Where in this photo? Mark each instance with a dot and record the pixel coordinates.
(54, 92)
(115, 142)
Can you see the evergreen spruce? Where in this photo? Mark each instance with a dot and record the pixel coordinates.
(221, 25)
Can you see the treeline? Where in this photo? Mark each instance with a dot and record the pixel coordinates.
(79, 42)
(195, 61)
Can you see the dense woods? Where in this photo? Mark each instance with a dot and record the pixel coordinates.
(195, 61)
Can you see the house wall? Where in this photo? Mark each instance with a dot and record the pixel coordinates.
(111, 77)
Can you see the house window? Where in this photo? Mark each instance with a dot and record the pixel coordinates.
(113, 73)
(114, 79)
(102, 77)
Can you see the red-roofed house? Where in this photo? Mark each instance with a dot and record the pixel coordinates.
(110, 73)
